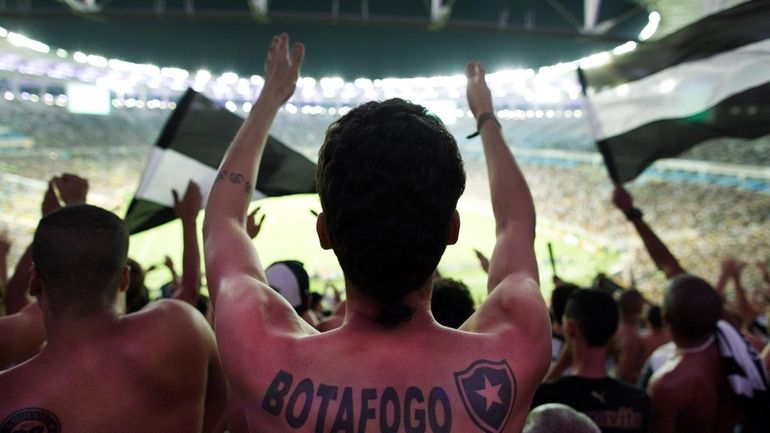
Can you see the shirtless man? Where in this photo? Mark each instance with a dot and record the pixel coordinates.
(100, 371)
(690, 392)
(389, 178)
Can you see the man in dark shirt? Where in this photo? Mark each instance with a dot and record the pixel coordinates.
(590, 321)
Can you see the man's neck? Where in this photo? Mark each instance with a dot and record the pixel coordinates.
(589, 362)
(68, 330)
(361, 312)
(692, 347)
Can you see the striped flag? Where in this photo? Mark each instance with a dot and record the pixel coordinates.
(191, 147)
(710, 79)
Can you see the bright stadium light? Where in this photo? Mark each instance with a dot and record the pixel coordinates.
(625, 48)
(22, 41)
(61, 53)
(228, 78)
(595, 60)
(98, 61)
(3, 32)
(80, 57)
(174, 73)
(653, 21)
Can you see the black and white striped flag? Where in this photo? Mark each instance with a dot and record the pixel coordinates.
(709, 79)
(191, 147)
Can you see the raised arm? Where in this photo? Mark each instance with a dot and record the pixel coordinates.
(187, 210)
(72, 190)
(658, 251)
(248, 311)
(5, 249)
(514, 300)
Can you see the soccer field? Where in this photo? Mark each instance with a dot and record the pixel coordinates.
(289, 233)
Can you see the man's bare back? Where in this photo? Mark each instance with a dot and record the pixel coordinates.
(144, 372)
(690, 393)
(344, 380)
(390, 367)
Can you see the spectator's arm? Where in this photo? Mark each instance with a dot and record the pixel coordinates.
(5, 249)
(16, 291)
(658, 251)
(176, 284)
(72, 190)
(628, 369)
(21, 335)
(724, 277)
(187, 210)
(665, 408)
(744, 306)
(763, 270)
(514, 302)
(483, 260)
(245, 305)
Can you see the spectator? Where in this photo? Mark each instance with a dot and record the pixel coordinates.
(559, 297)
(656, 334)
(137, 296)
(558, 418)
(451, 302)
(629, 342)
(389, 177)
(591, 320)
(161, 362)
(290, 279)
(690, 392)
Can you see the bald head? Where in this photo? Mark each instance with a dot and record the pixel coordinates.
(558, 418)
(692, 307)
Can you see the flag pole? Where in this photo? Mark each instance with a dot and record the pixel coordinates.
(596, 128)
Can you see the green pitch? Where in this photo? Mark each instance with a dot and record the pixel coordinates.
(289, 233)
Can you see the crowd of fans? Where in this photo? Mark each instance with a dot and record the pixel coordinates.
(654, 349)
(695, 218)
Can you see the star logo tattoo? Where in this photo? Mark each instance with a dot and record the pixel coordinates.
(491, 393)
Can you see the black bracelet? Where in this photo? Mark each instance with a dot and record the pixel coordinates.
(483, 117)
(634, 214)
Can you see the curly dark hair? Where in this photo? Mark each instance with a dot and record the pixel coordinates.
(389, 176)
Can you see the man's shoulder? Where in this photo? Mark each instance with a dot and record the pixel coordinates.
(167, 320)
(168, 311)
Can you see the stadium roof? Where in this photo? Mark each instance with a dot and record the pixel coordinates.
(348, 38)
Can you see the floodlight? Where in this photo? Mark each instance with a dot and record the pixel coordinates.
(652, 26)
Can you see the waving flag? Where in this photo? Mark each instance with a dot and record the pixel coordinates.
(191, 147)
(710, 79)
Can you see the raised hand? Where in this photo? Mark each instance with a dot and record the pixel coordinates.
(282, 69)
(188, 207)
(483, 260)
(5, 243)
(50, 200)
(72, 188)
(622, 199)
(732, 267)
(479, 96)
(252, 226)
